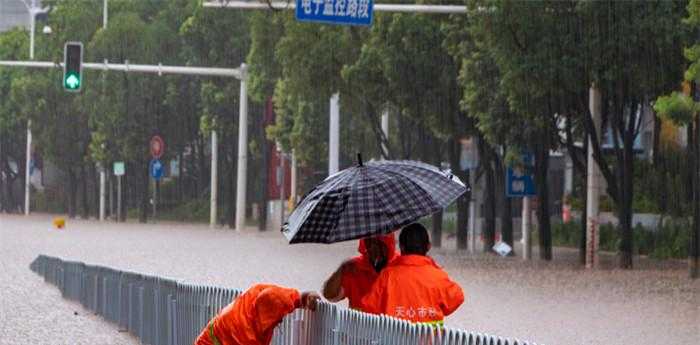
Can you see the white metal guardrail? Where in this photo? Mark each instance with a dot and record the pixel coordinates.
(161, 311)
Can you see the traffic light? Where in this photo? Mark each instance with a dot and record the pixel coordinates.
(73, 66)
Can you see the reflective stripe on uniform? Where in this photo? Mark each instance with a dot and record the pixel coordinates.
(434, 324)
(213, 337)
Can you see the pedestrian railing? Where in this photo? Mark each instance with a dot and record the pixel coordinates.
(161, 311)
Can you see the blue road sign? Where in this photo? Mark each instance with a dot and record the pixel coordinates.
(156, 169)
(520, 178)
(342, 12)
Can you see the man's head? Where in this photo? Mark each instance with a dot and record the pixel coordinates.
(414, 240)
(377, 252)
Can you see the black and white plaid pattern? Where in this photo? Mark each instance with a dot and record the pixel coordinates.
(376, 198)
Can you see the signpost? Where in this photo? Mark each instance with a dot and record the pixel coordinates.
(157, 146)
(119, 172)
(155, 167)
(520, 183)
(519, 179)
(342, 12)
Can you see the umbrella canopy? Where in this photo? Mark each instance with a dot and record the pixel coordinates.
(371, 199)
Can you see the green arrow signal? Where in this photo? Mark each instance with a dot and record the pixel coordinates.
(72, 81)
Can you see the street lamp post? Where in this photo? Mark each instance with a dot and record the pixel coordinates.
(33, 9)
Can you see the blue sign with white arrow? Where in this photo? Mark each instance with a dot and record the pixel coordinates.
(519, 178)
(156, 169)
(342, 12)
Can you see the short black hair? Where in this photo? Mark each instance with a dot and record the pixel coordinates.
(414, 240)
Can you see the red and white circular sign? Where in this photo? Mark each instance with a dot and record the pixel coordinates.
(157, 146)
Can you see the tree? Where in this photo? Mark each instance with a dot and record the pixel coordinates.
(404, 66)
(683, 110)
(549, 52)
(13, 46)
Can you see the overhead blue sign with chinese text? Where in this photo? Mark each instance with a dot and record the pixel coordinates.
(520, 179)
(343, 12)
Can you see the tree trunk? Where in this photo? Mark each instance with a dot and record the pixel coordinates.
(463, 200)
(543, 221)
(584, 209)
(121, 213)
(625, 210)
(657, 141)
(4, 177)
(265, 161)
(694, 258)
(506, 211)
(489, 228)
(584, 228)
(233, 155)
(437, 217)
(84, 195)
(95, 178)
(72, 193)
(626, 195)
(436, 238)
(203, 167)
(180, 179)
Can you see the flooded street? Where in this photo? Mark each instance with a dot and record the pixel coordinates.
(548, 303)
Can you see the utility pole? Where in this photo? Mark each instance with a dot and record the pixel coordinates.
(334, 134)
(593, 189)
(102, 169)
(242, 150)
(104, 14)
(293, 190)
(385, 130)
(214, 179)
(281, 186)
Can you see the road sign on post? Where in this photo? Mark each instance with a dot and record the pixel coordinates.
(343, 12)
(119, 172)
(119, 168)
(156, 169)
(157, 146)
(73, 66)
(519, 179)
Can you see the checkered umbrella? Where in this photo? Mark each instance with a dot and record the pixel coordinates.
(371, 199)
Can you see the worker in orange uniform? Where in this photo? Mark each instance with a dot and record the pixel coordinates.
(253, 316)
(355, 276)
(413, 287)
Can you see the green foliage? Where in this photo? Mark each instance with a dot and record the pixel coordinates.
(676, 107)
(670, 241)
(196, 210)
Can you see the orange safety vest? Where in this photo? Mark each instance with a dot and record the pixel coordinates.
(358, 280)
(414, 288)
(251, 318)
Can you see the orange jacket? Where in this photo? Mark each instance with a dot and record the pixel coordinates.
(357, 281)
(414, 288)
(252, 317)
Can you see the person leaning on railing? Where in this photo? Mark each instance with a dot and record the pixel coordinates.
(413, 287)
(355, 276)
(253, 316)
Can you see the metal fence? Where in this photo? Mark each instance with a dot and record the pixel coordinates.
(162, 311)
